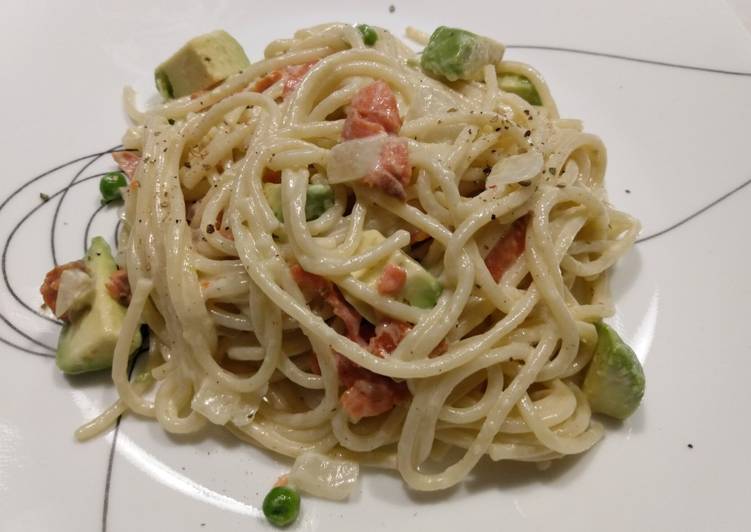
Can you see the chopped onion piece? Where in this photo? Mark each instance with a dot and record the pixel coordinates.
(354, 159)
(323, 476)
(516, 168)
(220, 406)
(75, 292)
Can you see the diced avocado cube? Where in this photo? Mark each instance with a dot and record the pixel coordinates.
(420, 290)
(163, 85)
(614, 383)
(521, 86)
(459, 54)
(87, 343)
(318, 199)
(200, 64)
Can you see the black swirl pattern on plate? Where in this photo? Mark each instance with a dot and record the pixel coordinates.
(50, 179)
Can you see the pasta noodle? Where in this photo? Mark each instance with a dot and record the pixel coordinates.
(492, 369)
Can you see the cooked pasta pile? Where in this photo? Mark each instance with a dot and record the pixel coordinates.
(296, 322)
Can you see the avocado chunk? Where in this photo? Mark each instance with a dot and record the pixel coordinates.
(87, 342)
(420, 290)
(455, 54)
(201, 63)
(318, 199)
(521, 86)
(614, 383)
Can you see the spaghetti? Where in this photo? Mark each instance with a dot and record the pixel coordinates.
(264, 319)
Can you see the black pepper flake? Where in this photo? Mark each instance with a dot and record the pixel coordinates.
(44, 197)
(690, 445)
(492, 216)
(497, 129)
(207, 59)
(187, 165)
(527, 133)
(392, 8)
(628, 191)
(210, 229)
(552, 170)
(525, 183)
(486, 170)
(171, 121)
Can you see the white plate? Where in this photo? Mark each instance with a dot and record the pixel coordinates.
(678, 140)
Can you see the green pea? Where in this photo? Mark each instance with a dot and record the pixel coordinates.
(319, 199)
(110, 186)
(369, 35)
(281, 506)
